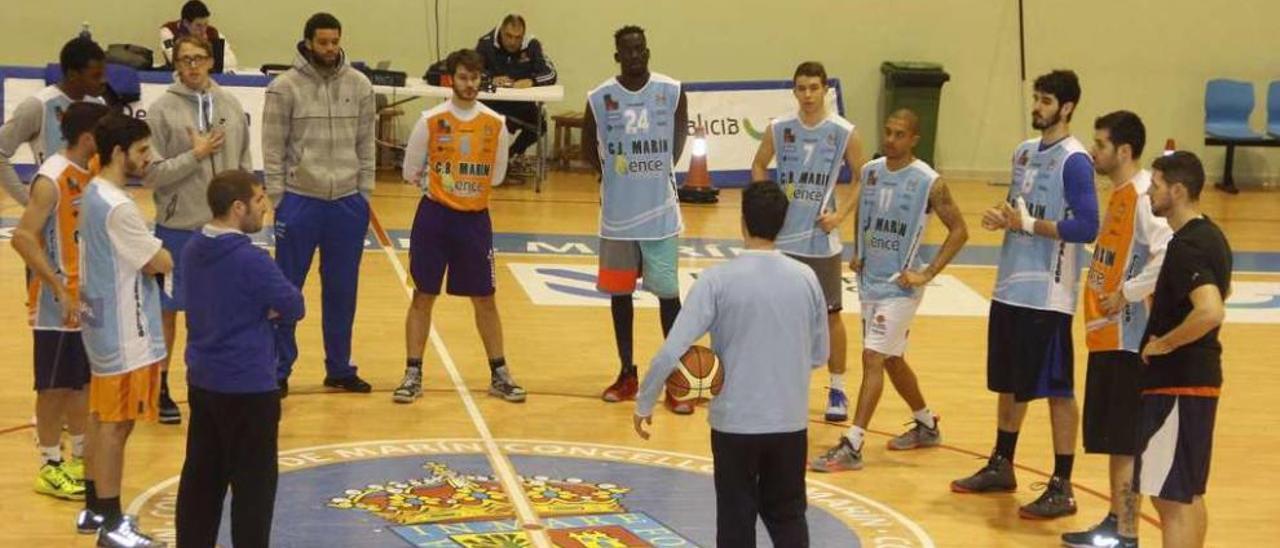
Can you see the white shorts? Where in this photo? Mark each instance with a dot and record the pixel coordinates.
(886, 324)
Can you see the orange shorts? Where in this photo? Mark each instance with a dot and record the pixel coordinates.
(126, 397)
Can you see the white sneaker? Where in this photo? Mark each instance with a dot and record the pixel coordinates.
(837, 406)
(126, 535)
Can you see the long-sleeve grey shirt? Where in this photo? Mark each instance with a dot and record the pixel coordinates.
(768, 323)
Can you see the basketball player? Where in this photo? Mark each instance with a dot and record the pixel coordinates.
(810, 147)
(1122, 274)
(191, 125)
(120, 323)
(634, 129)
(35, 120)
(767, 317)
(897, 195)
(457, 153)
(1183, 375)
(45, 238)
(1051, 211)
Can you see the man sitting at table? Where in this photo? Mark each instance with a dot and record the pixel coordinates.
(514, 59)
(195, 21)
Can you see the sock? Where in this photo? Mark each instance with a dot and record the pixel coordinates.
(1062, 466)
(110, 512)
(164, 382)
(837, 381)
(623, 317)
(854, 434)
(413, 363)
(77, 446)
(668, 309)
(925, 416)
(91, 497)
(1006, 442)
(51, 455)
(497, 366)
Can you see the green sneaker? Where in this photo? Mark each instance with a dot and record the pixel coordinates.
(54, 481)
(74, 467)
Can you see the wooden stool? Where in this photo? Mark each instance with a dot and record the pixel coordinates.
(564, 151)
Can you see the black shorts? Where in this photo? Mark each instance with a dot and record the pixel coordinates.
(1029, 353)
(1112, 403)
(1174, 446)
(60, 361)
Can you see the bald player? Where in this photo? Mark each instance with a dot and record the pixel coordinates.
(898, 193)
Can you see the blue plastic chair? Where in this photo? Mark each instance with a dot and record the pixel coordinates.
(1273, 109)
(1227, 106)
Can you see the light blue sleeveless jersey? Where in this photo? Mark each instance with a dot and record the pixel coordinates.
(635, 134)
(892, 215)
(808, 164)
(1036, 272)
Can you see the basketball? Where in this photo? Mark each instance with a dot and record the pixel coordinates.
(697, 378)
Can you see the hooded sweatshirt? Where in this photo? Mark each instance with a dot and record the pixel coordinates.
(231, 288)
(318, 131)
(179, 180)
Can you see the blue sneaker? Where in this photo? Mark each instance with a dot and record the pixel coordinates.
(837, 406)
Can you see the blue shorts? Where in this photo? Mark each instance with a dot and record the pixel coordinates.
(174, 241)
(460, 242)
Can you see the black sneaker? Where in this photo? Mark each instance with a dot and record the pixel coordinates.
(1104, 534)
(996, 476)
(284, 388)
(350, 384)
(88, 522)
(1056, 501)
(169, 411)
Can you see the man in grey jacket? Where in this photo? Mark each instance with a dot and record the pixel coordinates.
(197, 131)
(318, 155)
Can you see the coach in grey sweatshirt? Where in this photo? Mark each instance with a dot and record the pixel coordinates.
(318, 151)
(768, 323)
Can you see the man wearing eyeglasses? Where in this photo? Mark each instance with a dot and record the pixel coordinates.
(194, 22)
(197, 131)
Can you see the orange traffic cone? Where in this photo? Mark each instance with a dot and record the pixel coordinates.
(697, 182)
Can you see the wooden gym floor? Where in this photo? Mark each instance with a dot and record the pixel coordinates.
(564, 355)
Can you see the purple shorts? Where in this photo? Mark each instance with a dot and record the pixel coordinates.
(460, 242)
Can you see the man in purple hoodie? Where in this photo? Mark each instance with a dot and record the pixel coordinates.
(233, 293)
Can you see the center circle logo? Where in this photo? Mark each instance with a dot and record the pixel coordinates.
(441, 492)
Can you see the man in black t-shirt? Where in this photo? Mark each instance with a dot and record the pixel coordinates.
(1183, 374)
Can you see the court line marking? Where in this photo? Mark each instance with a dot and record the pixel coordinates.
(909, 524)
(502, 467)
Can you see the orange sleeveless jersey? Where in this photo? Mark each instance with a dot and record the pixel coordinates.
(461, 159)
(1119, 255)
(58, 238)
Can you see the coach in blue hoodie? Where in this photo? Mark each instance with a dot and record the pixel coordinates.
(233, 293)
